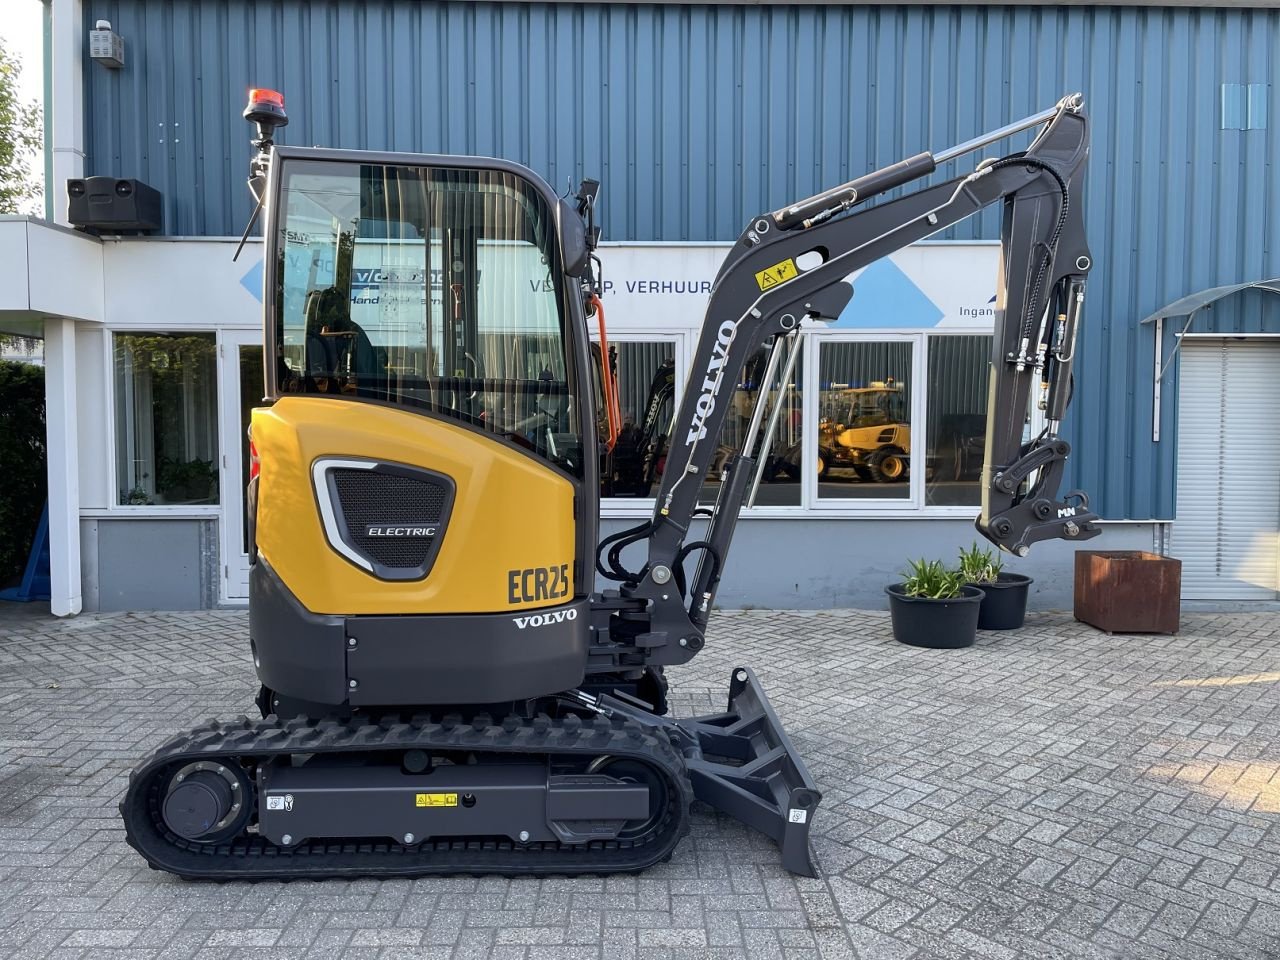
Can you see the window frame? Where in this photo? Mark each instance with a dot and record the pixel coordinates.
(937, 510)
(107, 471)
(810, 506)
(679, 337)
(789, 511)
(912, 507)
(810, 502)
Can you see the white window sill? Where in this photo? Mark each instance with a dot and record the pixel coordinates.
(622, 509)
(153, 512)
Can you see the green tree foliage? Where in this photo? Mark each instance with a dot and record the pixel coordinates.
(21, 137)
(23, 481)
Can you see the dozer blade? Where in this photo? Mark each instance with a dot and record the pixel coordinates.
(744, 763)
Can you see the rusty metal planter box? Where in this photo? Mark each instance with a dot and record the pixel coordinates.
(1128, 591)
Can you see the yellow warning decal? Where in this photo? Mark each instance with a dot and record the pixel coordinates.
(778, 273)
(436, 800)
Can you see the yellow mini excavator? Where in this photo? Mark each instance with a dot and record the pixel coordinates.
(444, 687)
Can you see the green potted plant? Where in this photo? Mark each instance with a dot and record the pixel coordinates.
(185, 481)
(171, 479)
(1004, 601)
(200, 478)
(934, 607)
(136, 496)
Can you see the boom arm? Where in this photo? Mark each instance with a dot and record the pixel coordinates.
(792, 264)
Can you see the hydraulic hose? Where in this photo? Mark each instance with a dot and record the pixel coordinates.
(623, 539)
(1028, 310)
(678, 566)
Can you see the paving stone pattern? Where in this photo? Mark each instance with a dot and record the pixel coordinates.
(1050, 793)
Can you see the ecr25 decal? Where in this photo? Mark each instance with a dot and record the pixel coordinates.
(538, 583)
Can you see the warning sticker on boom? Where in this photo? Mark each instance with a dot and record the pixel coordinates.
(778, 273)
(436, 800)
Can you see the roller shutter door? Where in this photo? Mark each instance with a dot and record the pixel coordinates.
(1228, 515)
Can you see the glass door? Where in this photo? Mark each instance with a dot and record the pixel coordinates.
(650, 370)
(242, 389)
(859, 430)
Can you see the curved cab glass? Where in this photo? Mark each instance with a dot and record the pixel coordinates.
(431, 288)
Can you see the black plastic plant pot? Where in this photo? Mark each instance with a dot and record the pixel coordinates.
(1004, 605)
(938, 624)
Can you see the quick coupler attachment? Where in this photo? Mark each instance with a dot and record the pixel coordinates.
(1040, 518)
(743, 762)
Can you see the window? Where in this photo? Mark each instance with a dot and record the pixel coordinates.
(435, 289)
(863, 419)
(784, 461)
(166, 418)
(845, 445)
(959, 371)
(647, 394)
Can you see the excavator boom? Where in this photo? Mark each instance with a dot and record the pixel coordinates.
(791, 265)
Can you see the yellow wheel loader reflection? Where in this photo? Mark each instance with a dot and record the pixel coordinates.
(863, 429)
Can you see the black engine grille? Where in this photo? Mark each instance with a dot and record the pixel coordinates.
(377, 497)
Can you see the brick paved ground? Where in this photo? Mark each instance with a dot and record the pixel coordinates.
(1050, 793)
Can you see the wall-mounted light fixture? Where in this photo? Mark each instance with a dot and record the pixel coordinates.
(106, 46)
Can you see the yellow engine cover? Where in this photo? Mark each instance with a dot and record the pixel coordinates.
(511, 514)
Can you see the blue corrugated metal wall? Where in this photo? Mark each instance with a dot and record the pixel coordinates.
(698, 116)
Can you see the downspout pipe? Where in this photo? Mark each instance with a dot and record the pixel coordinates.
(65, 105)
(64, 159)
(46, 66)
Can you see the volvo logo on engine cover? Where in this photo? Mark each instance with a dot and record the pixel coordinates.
(387, 530)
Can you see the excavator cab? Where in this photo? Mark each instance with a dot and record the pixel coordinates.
(431, 404)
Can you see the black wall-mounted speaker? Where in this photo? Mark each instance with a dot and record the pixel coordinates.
(114, 205)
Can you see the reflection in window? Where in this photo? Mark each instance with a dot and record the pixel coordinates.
(166, 418)
(780, 480)
(959, 369)
(864, 420)
(646, 401)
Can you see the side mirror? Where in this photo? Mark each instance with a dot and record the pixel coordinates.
(587, 192)
(573, 242)
(577, 251)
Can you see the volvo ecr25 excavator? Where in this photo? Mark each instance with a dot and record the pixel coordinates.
(444, 689)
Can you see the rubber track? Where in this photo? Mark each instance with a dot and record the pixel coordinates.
(251, 857)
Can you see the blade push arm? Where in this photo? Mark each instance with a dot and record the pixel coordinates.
(792, 264)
